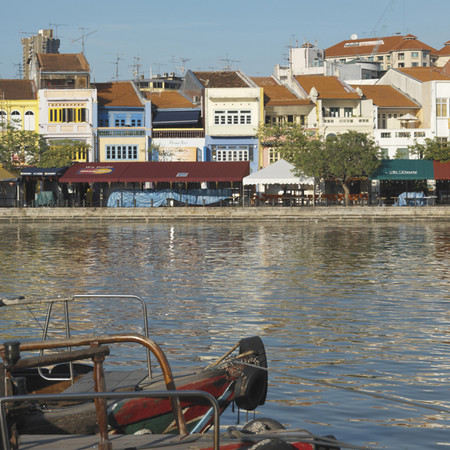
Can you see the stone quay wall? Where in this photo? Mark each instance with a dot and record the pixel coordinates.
(266, 213)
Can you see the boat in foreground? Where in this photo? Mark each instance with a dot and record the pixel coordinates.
(240, 376)
(45, 420)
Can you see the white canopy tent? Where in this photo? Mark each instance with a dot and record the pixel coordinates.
(280, 173)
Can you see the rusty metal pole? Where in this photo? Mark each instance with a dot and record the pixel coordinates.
(100, 403)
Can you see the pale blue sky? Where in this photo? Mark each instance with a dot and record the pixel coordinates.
(250, 35)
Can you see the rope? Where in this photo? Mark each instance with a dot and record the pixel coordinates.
(356, 390)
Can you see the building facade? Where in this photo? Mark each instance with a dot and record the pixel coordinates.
(122, 128)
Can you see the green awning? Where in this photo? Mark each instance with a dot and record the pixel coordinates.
(404, 169)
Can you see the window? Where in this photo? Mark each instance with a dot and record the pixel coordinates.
(16, 119)
(274, 156)
(385, 135)
(401, 56)
(3, 117)
(29, 123)
(441, 107)
(401, 64)
(415, 64)
(232, 152)
(379, 58)
(402, 153)
(414, 54)
(334, 112)
(233, 117)
(67, 115)
(121, 152)
(384, 153)
(348, 112)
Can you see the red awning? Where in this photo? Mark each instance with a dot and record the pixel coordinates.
(141, 172)
(94, 173)
(186, 172)
(441, 170)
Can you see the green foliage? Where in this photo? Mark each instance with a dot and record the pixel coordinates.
(349, 155)
(18, 147)
(61, 153)
(340, 158)
(432, 149)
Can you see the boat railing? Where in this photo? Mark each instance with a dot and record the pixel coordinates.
(11, 351)
(23, 301)
(102, 420)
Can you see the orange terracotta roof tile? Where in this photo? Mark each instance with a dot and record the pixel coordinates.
(169, 99)
(264, 81)
(62, 62)
(445, 50)
(386, 96)
(17, 90)
(424, 73)
(327, 87)
(278, 95)
(364, 47)
(223, 79)
(120, 93)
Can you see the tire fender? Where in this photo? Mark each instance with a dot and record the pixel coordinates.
(251, 386)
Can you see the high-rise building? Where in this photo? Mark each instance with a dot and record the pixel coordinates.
(43, 42)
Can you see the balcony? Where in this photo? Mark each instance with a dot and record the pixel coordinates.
(401, 136)
(178, 133)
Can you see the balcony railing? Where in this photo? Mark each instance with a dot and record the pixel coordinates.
(171, 133)
(346, 121)
(402, 134)
(108, 132)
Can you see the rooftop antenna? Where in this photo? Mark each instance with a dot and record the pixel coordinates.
(228, 62)
(183, 67)
(83, 37)
(136, 66)
(19, 73)
(116, 62)
(55, 26)
(27, 33)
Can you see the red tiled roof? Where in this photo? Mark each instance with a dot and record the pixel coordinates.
(359, 47)
(424, 73)
(169, 99)
(223, 79)
(140, 172)
(62, 62)
(327, 87)
(386, 96)
(278, 95)
(120, 93)
(17, 90)
(264, 81)
(445, 50)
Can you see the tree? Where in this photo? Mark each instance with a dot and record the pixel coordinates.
(431, 149)
(62, 153)
(18, 147)
(347, 156)
(339, 158)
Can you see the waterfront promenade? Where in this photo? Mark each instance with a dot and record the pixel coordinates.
(266, 213)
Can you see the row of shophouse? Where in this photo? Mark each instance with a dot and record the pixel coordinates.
(214, 115)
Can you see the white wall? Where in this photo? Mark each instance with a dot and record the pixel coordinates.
(232, 99)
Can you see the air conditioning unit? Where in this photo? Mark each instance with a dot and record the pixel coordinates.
(172, 74)
(196, 99)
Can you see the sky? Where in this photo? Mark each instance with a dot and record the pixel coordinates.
(152, 37)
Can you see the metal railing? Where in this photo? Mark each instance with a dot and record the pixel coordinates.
(104, 440)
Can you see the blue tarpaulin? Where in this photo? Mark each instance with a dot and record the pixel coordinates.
(412, 199)
(155, 198)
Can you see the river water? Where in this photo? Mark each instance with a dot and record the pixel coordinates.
(361, 305)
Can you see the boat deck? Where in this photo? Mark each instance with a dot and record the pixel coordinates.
(119, 442)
